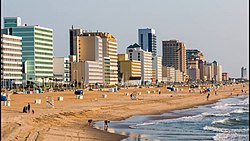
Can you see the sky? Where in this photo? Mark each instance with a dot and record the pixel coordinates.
(218, 28)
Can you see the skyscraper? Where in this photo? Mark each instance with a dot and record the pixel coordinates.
(89, 68)
(243, 73)
(109, 52)
(109, 45)
(74, 41)
(174, 54)
(37, 47)
(147, 40)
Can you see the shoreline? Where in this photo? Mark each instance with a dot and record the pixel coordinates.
(163, 112)
(69, 118)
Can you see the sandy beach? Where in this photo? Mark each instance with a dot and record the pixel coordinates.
(68, 120)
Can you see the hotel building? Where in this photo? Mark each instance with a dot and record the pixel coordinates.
(89, 68)
(129, 70)
(37, 48)
(11, 60)
(174, 55)
(136, 53)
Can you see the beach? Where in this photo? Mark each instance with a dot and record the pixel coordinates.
(68, 120)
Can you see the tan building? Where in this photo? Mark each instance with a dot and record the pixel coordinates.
(225, 76)
(179, 76)
(168, 74)
(193, 70)
(130, 70)
(89, 67)
(109, 45)
(174, 54)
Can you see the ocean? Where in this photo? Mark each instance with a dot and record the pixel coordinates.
(225, 120)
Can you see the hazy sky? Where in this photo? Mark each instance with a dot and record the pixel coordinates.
(218, 28)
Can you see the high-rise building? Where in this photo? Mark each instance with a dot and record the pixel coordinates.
(147, 40)
(109, 45)
(89, 68)
(11, 60)
(208, 72)
(243, 73)
(74, 41)
(136, 53)
(109, 51)
(61, 69)
(37, 48)
(157, 67)
(217, 71)
(195, 54)
(174, 55)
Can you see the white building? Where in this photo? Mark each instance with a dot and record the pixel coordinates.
(11, 60)
(136, 53)
(61, 69)
(157, 66)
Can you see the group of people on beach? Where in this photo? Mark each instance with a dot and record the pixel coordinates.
(106, 122)
(26, 109)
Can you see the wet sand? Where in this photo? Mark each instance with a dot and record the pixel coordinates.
(68, 120)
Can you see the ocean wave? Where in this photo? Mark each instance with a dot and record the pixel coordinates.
(226, 130)
(231, 136)
(142, 124)
(226, 121)
(185, 118)
(241, 110)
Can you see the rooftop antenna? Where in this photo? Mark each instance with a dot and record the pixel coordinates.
(72, 27)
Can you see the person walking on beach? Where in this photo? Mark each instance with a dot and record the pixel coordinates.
(208, 96)
(28, 107)
(106, 125)
(24, 109)
(159, 92)
(33, 112)
(90, 122)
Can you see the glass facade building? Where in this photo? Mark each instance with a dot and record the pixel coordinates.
(37, 48)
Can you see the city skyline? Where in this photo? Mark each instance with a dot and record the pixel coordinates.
(182, 22)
